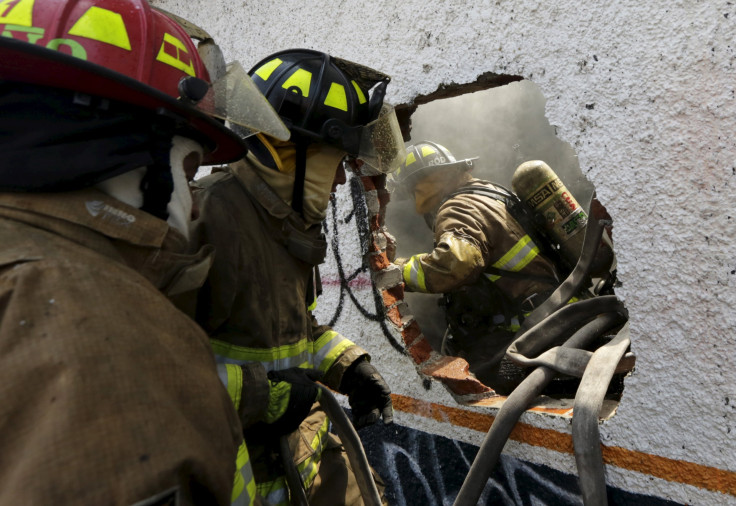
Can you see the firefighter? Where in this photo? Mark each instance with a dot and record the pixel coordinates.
(263, 214)
(110, 395)
(485, 263)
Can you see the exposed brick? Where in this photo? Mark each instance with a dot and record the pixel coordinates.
(394, 316)
(372, 202)
(384, 197)
(399, 315)
(393, 295)
(466, 386)
(411, 333)
(375, 222)
(368, 184)
(379, 242)
(388, 277)
(454, 372)
(378, 261)
(420, 350)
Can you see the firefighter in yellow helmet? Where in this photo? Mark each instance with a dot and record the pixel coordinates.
(485, 262)
(110, 395)
(263, 214)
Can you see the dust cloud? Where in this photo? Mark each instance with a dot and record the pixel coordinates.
(505, 127)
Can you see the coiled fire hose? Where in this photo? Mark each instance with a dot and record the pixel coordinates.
(353, 447)
(543, 336)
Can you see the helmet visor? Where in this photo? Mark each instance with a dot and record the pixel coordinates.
(237, 100)
(381, 143)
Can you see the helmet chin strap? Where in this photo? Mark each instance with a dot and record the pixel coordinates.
(300, 174)
(157, 183)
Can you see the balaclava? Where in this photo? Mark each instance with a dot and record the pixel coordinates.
(127, 186)
(322, 163)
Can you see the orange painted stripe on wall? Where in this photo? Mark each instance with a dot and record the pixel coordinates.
(680, 471)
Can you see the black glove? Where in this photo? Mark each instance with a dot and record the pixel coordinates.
(368, 394)
(292, 394)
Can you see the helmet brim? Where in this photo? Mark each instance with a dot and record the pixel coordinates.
(22, 61)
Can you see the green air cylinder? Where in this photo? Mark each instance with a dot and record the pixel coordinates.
(562, 219)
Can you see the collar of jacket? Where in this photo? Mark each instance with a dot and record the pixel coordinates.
(110, 227)
(264, 194)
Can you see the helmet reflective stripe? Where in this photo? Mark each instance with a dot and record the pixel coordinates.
(515, 259)
(359, 92)
(20, 14)
(179, 58)
(301, 79)
(265, 70)
(336, 97)
(428, 150)
(102, 25)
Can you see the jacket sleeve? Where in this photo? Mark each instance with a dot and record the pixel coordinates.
(250, 378)
(458, 257)
(333, 353)
(217, 296)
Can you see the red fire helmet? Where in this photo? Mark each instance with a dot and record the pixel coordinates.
(117, 49)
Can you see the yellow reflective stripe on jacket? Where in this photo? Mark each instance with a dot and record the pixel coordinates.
(328, 347)
(278, 400)
(414, 274)
(231, 376)
(244, 487)
(276, 492)
(305, 353)
(518, 257)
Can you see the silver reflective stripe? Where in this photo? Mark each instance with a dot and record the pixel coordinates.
(273, 365)
(278, 496)
(244, 499)
(222, 373)
(334, 341)
(414, 274)
(515, 259)
(305, 357)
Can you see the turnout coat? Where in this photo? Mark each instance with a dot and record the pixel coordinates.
(109, 394)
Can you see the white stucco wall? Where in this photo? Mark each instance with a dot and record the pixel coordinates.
(658, 144)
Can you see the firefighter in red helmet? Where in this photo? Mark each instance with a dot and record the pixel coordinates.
(110, 395)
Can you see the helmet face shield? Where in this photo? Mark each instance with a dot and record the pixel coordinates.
(236, 98)
(381, 143)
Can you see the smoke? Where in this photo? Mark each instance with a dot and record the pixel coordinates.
(503, 126)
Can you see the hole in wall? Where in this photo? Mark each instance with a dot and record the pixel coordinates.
(503, 124)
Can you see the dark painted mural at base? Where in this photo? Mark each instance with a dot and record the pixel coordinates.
(428, 470)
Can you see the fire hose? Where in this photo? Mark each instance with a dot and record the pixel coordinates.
(353, 447)
(542, 342)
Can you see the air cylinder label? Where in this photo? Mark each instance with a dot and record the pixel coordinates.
(563, 215)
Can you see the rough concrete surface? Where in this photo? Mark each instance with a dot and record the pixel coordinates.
(644, 93)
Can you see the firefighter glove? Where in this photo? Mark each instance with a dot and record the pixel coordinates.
(368, 393)
(292, 393)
